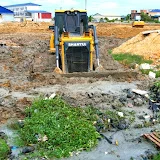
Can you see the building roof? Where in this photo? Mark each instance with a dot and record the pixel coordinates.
(156, 16)
(23, 4)
(97, 14)
(72, 10)
(155, 10)
(5, 10)
(36, 11)
(112, 15)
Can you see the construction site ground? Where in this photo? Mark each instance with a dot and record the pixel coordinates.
(26, 72)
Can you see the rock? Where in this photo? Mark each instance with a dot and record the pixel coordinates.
(90, 95)
(145, 66)
(147, 118)
(122, 125)
(21, 123)
(152, 75)
(28, 149)
(140, 92)
(3, 135)
(134, 66)
(138, 102)
(117, 104)
(149, 154)
(130, 105)
(122, 99)
(130, 94)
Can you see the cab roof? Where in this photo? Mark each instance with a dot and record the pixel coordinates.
(62, 11)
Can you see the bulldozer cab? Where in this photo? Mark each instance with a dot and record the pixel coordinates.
(72, 21)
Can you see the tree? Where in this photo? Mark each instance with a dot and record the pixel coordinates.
(128, 17)
(145, 17)
(90, 18)
(106, 19)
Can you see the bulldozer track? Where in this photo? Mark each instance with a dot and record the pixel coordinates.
(154, 138)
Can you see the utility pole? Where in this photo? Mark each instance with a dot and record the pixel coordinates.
(61, 4)
(85, 4)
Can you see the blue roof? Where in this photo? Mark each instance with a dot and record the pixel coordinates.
(5, 10)
(155, 10)
(35, 11)
(23, 4)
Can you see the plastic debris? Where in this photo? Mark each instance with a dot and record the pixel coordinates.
(52, 96)
(105, 153)
(152, 75)
(121, 114)
(116, 143)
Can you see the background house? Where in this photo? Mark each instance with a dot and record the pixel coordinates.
(98, 17)
(6, 15)
(153, 13)
(29, 11)
(135, 13)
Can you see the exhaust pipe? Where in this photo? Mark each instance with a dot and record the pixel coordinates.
(96, 44)
(56, 42)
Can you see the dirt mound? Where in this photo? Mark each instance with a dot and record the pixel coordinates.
(103, 29)
(145, 45)
(24, 27)
(106, 60)
(122, 30)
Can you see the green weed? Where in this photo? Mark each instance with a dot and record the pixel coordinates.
(4, 149)
(67, 128)
(146, 71)
(127, 58)
(156, 157)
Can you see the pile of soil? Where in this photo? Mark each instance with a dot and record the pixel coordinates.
(24, 27)
(103, 29)
(122, 30)
(106, 60)
(144, 45)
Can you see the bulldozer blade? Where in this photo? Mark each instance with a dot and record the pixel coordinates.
(114, 74)
(100, 69)
(58, 70)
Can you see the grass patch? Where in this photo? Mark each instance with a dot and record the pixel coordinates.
(127, 58)
(4, 149)
(155, 91)
(67, 128)
(156, 157)
(109, 51)
(146, 71)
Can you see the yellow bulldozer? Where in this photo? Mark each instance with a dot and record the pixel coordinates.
(138, 23)
(74, 42)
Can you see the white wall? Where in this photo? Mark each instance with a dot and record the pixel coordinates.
(33, 8)
(17, 19)
(45, 20)
(35, 17)
(113, 17)
(7, 18)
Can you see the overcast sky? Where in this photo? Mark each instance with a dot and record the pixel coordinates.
(114, 7)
